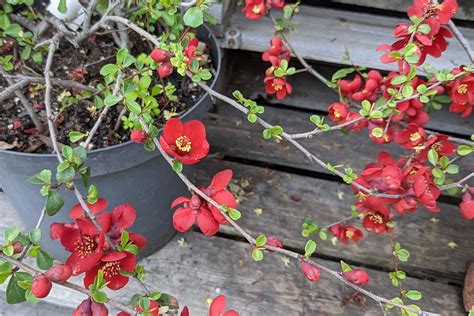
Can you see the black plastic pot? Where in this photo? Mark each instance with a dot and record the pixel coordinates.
(124, 173)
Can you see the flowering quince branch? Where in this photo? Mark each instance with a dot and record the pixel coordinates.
(253, 241)
(68, 285)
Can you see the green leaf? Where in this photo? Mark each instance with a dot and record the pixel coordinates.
(345, 267)
(63, 166)
(402, 255)
(433, 157)
(54, 203)
(62, 6)
(452, 169)
(43, 260)
(257, 255)
(109, 70)
(341, 73)
(93, 194)
(15, 294)
(424, 28)
(112, 100)
(43, 177)
(100, 297)
(133, 107)
(8, 250)
(377, 132)
(65, 175)
(399, 79)
(13, 30)
(75, 136)
(464, 150)
(437, 173)
(177, 166)
(10, 233)
(193, 17)
(413, 295)
(309, 248)
(149, 145)
(35, 235)
(234, 214)
(261, 240)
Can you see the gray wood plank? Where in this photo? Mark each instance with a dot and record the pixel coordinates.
(466, 7)
(206, 267)
(231, 134)
(311, 94)
(325, 34)
(328, 202)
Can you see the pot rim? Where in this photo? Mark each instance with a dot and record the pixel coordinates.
(213, 42)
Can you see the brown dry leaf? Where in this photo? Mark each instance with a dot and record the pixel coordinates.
(6, 146)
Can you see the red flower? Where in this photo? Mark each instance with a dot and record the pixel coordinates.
(411, 137)
(438, 143)
(311, 272)
(160, 55)
(378, 215)
(356, 126)
(254, 9)
(278, 86)
(349, 87)
(193, 209)
(185, 311)
(112, 263)
(275, 4)
(218, 192)
(462, 96)
(153, 310)
(357, 276)
(218, 307)
(346, 232)
(41, 286)
(385, 175)
(274, 242)
(83, 240)
(77, 211)
(60, 273)
(186, 142)
(164, 70)
(441, 13)
(123, 217)
(467, 209)
(138, 136)
(276, 52)
(89, 307)
(338, 111)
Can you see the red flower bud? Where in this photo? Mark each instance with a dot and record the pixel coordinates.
(272, 241)
(357, 276)
(60, 273)
(138, 136)
(17, 247)
(310, 272)
(165, 69)
(338, 112)
(41, 286)
(91, 308)
(160, 55)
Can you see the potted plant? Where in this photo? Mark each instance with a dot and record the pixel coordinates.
(83, 86)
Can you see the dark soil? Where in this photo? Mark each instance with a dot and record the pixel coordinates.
(18, 133)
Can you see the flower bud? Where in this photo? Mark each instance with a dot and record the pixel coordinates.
(274, 242)
(165, 69)
(311, 272)
(60, 273)
(41, 286)
(160, 55)
(357, 276)
(17, 247)
(138, 136)
(91, 308)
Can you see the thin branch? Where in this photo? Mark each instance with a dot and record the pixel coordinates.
(135, 27)
(7, 92)
(104, 112)
(462, 40)
(457, 184)
(89, 12)
(55, 82)
(68, 285)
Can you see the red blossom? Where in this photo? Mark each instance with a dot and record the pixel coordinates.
(60, 273)
(276, 52)
(378, 216)
(186, 142)
(77, 211)
(160, 55)
(165, 69)
(41, 286)
(89, 307)
(412, 136)
(385, 175)
(218, 307)
(193, 210)
(275, 4)
(254, 9)
(467, 204)
(185, 311)
(356, 126)
(218, 192)
(346, 232)
(274, 242)
(278, 86)
(462, 95)
(338, 111)
(153, 310)
(138, 136)
(311, 272)
(441, 13)
(438, 143)
(357, 276)
(349, 87)
(111, 264)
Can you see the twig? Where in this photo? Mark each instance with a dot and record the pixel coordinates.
(26, 104)
(457, 184)
(119, 120)
(12, 88)
(462, 40)
(55, 82)
(68, 285)
(135, 27)
(89, 12)
(104, 112)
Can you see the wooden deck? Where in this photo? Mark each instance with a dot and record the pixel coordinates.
(280, 189)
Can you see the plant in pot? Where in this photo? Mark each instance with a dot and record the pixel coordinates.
(89, 71)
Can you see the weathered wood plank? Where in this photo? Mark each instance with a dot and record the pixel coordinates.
(231, 134)
(205, 267)
(311, 94)
(328, 202)
(466, 7)
(327, 33)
